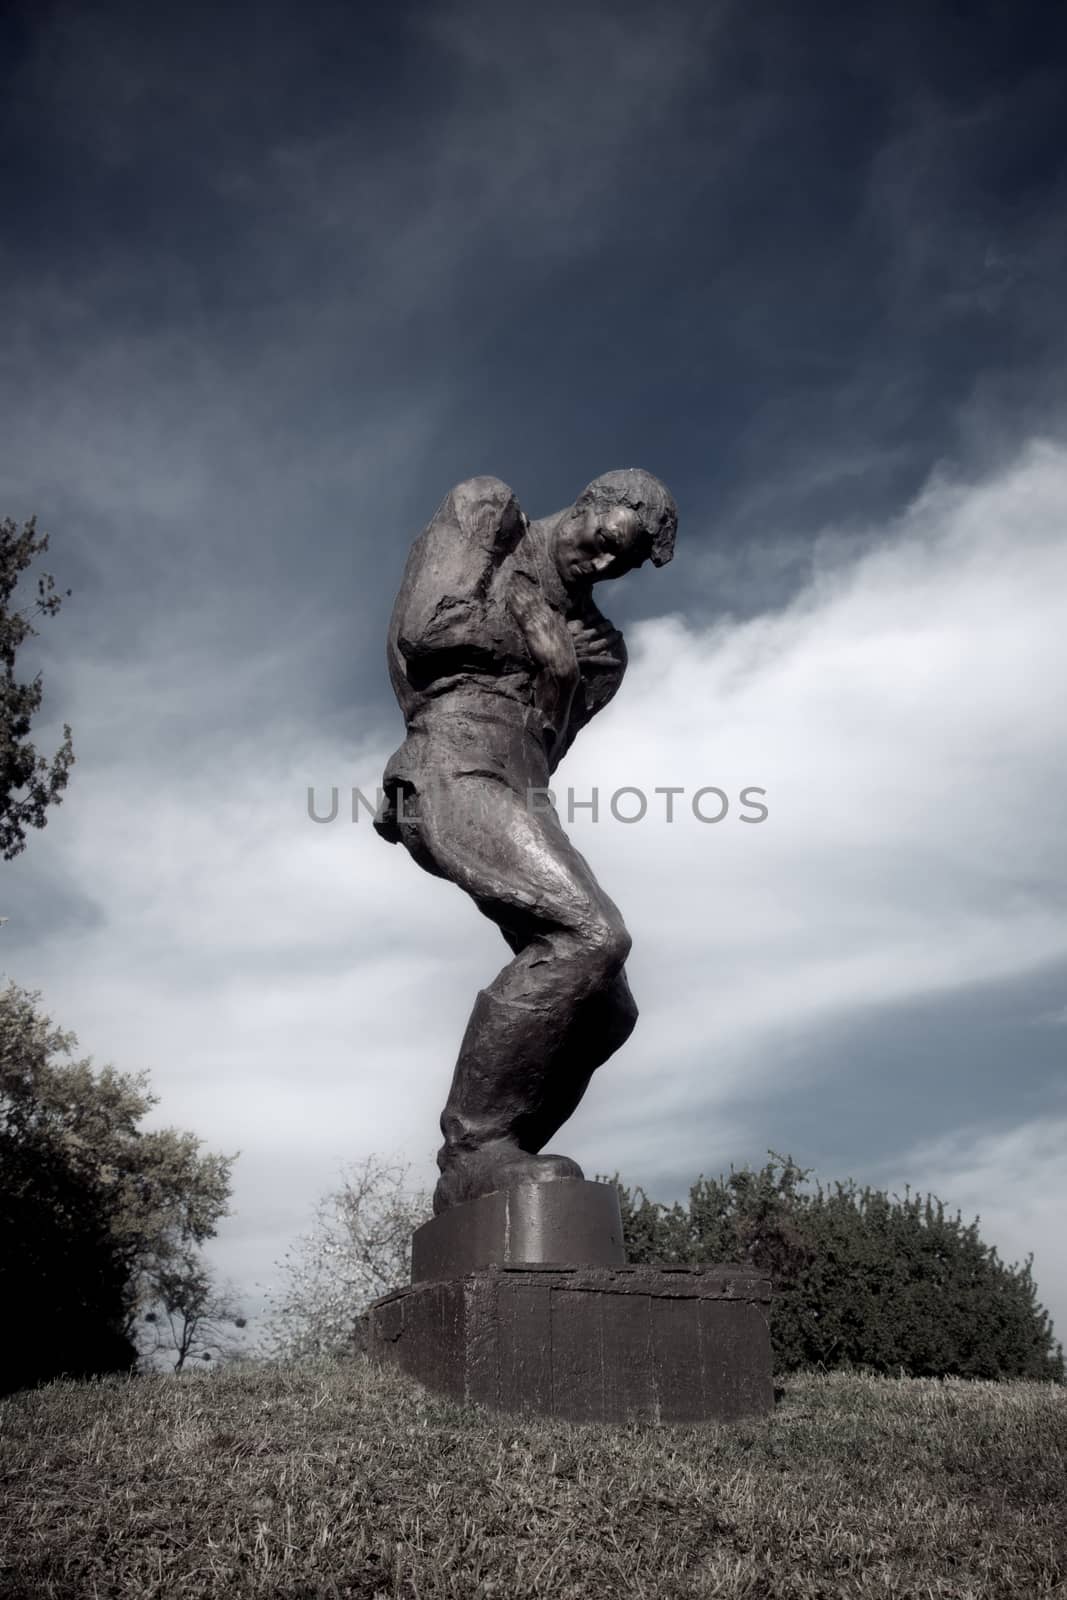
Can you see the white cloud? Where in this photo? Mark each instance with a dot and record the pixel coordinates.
(904, 716)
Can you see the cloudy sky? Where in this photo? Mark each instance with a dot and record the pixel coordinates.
(274, 280)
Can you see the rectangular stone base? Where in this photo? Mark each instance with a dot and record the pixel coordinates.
(588, 1344)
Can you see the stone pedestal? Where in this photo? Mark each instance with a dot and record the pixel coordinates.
(571, 1331)
(592, 1344)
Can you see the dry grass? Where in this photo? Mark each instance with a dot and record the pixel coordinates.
(331, 1480)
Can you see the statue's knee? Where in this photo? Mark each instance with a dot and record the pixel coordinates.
(626, 1014)
(609, 945)
(618, 1018)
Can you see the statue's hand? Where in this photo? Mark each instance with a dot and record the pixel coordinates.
(596, 644)
(547, 639)
(552, 649)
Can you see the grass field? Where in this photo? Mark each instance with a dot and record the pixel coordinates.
(330, 1480)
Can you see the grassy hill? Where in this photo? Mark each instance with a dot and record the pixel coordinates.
(330, 1480)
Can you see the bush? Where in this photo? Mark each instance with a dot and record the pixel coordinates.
(860, 1279)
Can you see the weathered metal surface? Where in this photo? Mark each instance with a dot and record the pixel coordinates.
(562, 1222)
(499, 656)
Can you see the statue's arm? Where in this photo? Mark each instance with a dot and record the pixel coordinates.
(449, 616)
(454, 635)
(552, 649)
(602, 659)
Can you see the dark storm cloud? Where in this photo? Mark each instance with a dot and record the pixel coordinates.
(289, 280)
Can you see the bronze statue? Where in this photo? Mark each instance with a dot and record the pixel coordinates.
(498, 657)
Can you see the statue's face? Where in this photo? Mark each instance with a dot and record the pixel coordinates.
(593, 545)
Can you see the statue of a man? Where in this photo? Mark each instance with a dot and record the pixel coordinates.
(498, 657)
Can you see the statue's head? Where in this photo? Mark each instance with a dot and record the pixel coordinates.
(618, 522)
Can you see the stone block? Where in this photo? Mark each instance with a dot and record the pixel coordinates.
(611, 1344)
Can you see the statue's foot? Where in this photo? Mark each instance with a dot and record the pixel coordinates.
(468, 1174)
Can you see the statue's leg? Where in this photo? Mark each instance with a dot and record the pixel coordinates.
(554, 1014)
(601, 1025)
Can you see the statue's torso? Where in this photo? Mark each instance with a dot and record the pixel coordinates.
(476, 710)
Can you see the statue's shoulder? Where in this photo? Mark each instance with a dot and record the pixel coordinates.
(483, 487)
(483, 500)
(481, 514)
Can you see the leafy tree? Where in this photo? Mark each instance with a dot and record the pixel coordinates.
(358, 1249)
(62, 1274)
(860, 1279)
(29, 784)
(98, 1217)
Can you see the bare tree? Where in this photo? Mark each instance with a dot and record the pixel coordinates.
(359, 1248)
(193, 1320)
